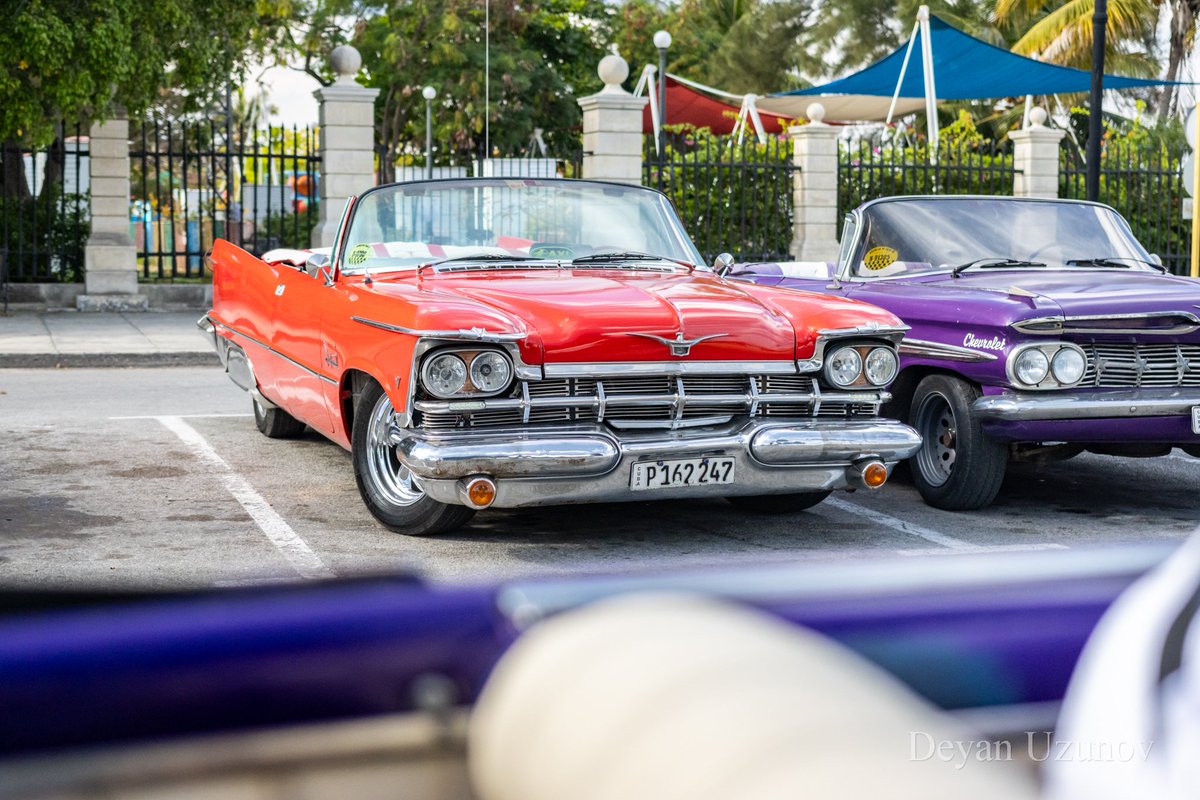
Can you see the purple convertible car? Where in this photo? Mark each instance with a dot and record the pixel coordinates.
(1040, 328)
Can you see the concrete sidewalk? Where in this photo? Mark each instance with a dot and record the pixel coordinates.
(75, 339)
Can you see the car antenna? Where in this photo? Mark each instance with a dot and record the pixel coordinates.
(367, 279)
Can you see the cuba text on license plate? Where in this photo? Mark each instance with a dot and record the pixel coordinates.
(678, 472)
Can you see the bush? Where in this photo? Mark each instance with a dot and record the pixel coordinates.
(732, 197)
(43, 238)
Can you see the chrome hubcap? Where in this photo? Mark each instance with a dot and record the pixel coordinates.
(939, 439)
(394, 481)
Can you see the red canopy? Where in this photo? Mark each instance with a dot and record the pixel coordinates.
(685, 104)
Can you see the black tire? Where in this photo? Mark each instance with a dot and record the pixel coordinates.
(778, 503)
(275, 423)
(958, 468)
(390, 492)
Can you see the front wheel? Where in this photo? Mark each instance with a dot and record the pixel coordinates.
(390, 491)
(958, 468)
(778, 503)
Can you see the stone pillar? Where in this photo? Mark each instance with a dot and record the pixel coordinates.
(612, 127)
(347, 134)
(1035, 156)
(815, 155)
(110, 257)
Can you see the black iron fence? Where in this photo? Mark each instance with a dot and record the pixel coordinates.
(44, 209)
(1145, 184)
(732, 195)
(195, 181)
(870, 167)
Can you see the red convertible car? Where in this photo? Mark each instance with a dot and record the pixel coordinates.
(506, 343)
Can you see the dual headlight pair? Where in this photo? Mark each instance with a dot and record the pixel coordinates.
(1054, 365)
(460, 373)
(859, 365)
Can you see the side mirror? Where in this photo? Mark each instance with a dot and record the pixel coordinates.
(1156, 258)
(723, 263)
(315, 262)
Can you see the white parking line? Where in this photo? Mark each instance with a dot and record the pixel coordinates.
(185, 416)
(286, 540)
(949, 543)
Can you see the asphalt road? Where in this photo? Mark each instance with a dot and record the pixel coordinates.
(157, 477)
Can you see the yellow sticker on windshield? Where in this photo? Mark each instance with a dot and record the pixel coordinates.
(359, 253)
(879, 258)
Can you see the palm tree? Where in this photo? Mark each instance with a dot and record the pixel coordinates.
(1060, 31)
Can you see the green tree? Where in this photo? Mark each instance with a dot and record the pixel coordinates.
(74, 62)
(542, 55)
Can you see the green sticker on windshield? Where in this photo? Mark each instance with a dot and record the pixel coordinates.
(359, 253)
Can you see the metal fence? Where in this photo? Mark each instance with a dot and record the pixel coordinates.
(194, 181)
(732, 195)
(44, 210)
(870, 167)
(1143, 183)
(533, 161)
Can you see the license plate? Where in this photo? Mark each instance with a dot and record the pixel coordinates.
(678, 472)
(1195, 419)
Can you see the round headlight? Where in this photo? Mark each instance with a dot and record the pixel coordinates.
(1068, 365)
(444, 375)
(844, 367)
(880, 366)
(1031, 366)
(490, 372)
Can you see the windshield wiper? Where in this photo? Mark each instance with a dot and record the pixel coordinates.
(482, 257)
(994, 262)
(625, 255)
(1112, 262)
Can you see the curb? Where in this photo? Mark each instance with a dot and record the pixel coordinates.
(107, 360)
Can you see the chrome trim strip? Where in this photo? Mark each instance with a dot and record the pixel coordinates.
(470, 335)
(669, 368)
(869, 329)
(1058, 325)
(921, 348)
(1027, 406)
(275, 352)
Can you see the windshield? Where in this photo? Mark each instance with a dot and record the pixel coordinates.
(915, 235)
(405, 225)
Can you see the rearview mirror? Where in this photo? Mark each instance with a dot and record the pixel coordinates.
(723, 263)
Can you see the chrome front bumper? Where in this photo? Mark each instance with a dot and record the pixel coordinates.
(591, 463)
(1096, 404)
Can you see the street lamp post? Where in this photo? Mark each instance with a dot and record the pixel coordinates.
(1096, 111)
(429, 93)
(662, 40)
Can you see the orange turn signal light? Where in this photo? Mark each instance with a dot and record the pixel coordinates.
(874, 475)
(478, 492)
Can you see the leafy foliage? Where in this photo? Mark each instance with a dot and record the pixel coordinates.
(541, 55)
(70, 60)
(731, 196)
(44, 237)
(967, 163)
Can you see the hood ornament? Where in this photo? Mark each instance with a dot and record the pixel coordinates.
(679, 346)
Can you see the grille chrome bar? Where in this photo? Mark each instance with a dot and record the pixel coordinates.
(1121, 365)
(651, 401)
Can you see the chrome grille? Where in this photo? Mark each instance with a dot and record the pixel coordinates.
(658, 401)
(1151, 365)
